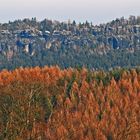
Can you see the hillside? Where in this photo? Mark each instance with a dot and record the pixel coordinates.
(30, 42)
(53, 104)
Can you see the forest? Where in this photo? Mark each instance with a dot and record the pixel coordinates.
(76, 103)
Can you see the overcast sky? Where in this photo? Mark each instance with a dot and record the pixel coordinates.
(96, 11)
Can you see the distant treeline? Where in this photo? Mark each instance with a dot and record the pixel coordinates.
(32, 43)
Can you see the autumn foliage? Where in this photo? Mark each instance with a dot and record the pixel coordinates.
(72, 104)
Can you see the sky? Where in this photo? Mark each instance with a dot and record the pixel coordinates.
(95, 11)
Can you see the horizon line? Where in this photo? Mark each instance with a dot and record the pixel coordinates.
(68, 20)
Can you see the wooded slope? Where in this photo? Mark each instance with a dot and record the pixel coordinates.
(52, 104)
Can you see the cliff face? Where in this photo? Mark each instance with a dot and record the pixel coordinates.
(33, 38)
